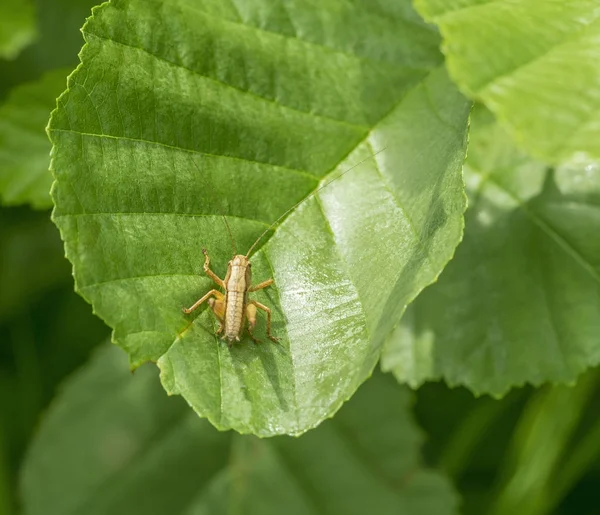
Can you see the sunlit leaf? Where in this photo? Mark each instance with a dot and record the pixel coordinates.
(520, 301)
(534, 63)
(183, 112)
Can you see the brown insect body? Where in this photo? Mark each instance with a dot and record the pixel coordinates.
(237, 282)
(233, 308)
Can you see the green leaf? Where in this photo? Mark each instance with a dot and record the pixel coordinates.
(17, 27)
(117, 444)
(58, 23)
(520, 302)
(24, 146)
(183, 112)
(539, 448)
(534, 63)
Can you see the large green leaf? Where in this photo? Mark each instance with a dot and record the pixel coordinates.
(114, 443)
(520, 302)
(181, 112)
(24, 146)
(535, 64)
(17, 27)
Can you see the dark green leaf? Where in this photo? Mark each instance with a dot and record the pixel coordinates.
(114, 443)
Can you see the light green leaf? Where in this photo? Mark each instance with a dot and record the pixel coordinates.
(114, 443)
(534, 63)
(182, 112)
(520, 302)
(24, 146)
(17, 27)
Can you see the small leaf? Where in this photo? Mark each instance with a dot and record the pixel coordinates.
(534, 63)
(180, 113)
(117, 444)
(520, 301)
(24, 145)
(17, 27)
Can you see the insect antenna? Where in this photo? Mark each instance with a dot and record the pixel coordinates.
(230, 234)
(310, 195)
(212, 192)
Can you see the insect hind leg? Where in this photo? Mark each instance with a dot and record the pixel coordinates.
(251, 316)
(268, 312)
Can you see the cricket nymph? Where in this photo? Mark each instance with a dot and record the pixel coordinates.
(234, 307)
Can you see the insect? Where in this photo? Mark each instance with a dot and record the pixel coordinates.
(233, 308)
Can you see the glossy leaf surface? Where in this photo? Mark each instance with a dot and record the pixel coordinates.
(183, 112)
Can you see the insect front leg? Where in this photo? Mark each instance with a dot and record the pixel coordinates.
(209, 272)
(220, 298)
(268, 312)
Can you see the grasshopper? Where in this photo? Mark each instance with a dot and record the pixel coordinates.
(233, 307)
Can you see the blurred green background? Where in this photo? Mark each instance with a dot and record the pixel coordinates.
(533, 452)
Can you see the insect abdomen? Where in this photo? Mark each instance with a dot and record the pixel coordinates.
(236, 286)
(234, 315)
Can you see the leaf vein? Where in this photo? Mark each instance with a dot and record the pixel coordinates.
(183, 149)
(547, 229)
(269, 100)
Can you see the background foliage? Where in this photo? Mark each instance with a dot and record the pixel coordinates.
(517, 304)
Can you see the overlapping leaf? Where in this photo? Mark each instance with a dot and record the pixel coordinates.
(184, 111)
(535, 64)
(24, 146)
(520, 302)
(117, 444)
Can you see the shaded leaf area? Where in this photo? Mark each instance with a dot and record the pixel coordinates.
(535, 64)
(182, 112)
(31, 261)
(17, 27)
(118, 444)
(520, 302)
(547, 453)
(56, 46)
(24, 145)
(42, 322)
